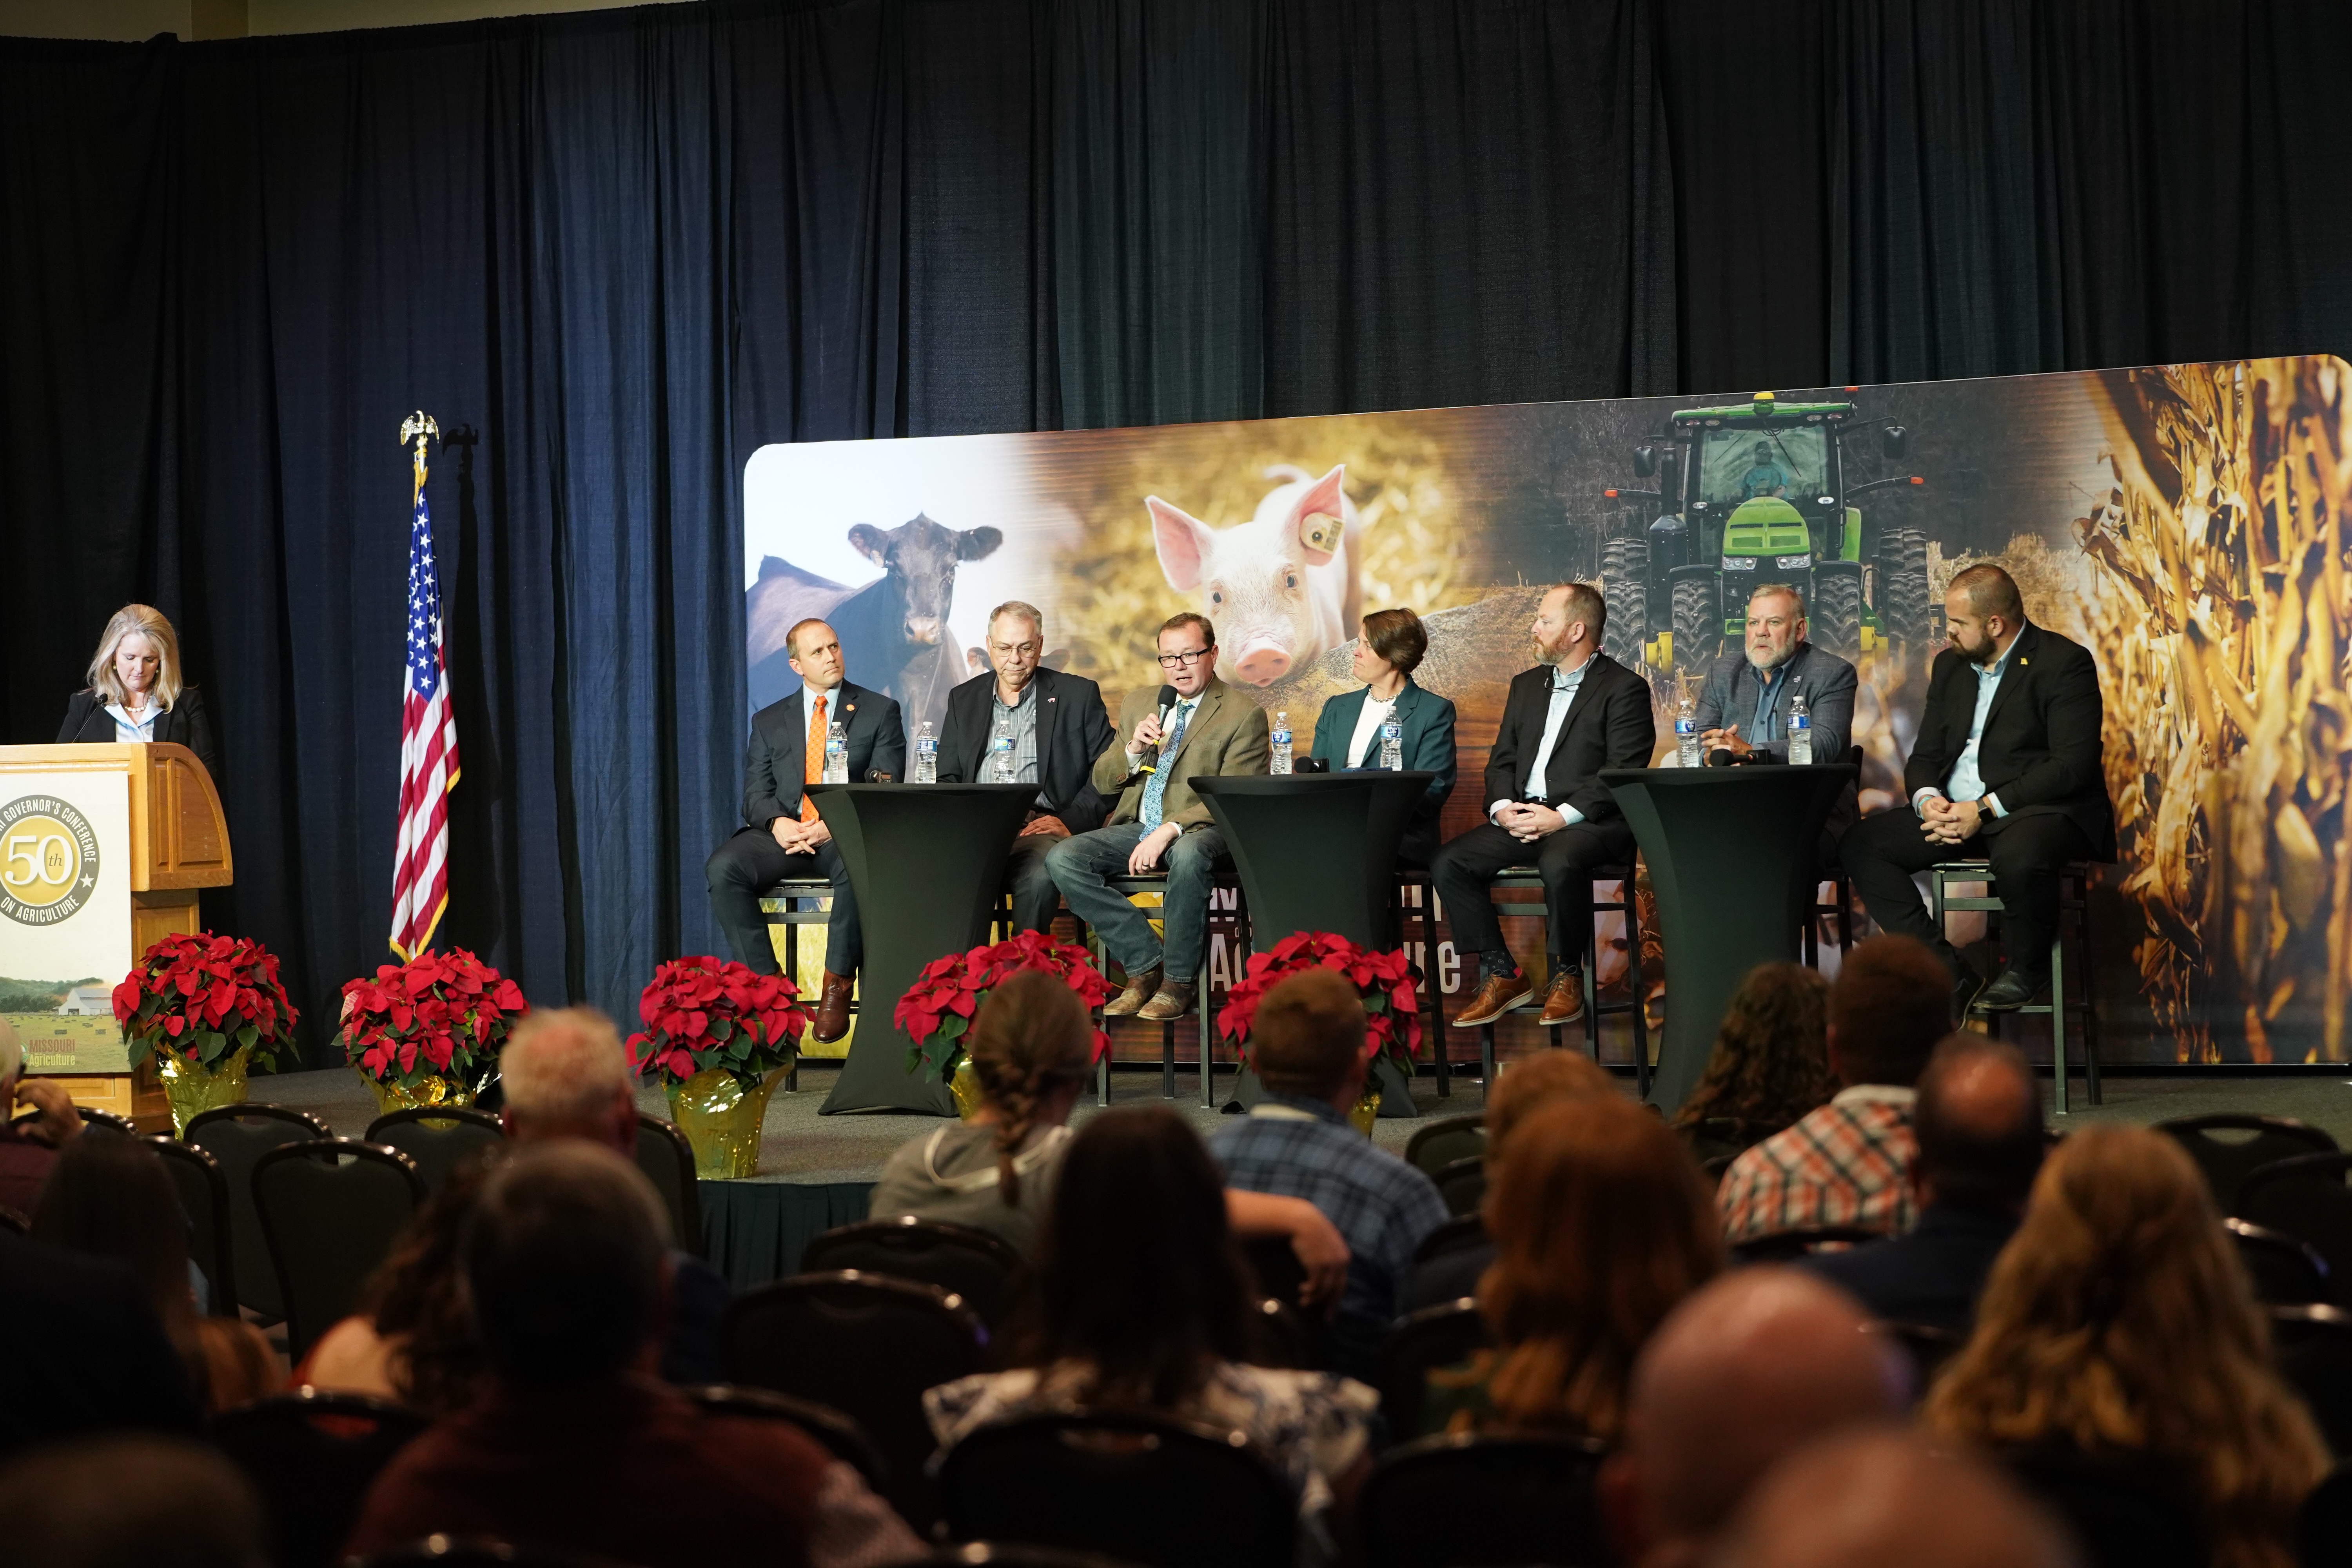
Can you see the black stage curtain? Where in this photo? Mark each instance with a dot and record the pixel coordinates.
(613, 252)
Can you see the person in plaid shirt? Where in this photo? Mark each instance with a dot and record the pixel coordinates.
(1308, 1044)
(1849, 1163)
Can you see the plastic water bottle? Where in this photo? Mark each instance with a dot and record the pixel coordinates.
(1686, 733)
(837, 752)
(1392, 744)
(1800, 732)
(1000, 751)
(1281, 762)
(926, 752)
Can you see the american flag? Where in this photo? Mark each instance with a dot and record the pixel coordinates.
(428, 751)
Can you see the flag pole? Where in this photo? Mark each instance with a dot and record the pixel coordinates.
(428, 761)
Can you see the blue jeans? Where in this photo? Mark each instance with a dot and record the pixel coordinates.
(1082, 866)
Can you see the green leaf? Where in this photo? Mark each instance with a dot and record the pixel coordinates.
(247, 1035)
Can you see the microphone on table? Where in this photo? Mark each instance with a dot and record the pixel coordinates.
(875, 775)
(1722, 757)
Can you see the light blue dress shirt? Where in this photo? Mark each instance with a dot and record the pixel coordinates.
(1966, 783)
(1564, 686)
(1156, 787)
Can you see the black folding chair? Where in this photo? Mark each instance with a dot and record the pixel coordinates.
(204, 1198)
(445, 1551)
(237, 1135)
(331, 1210)
(1106, 1482)
(667, 1160)
(441, 1139)
(2228, 1160)
(1462, 1186)
(312, 1455)
(1014, 1554)
(1280, 1277)
(2126, 1513)
(977, 1264)
(1499, 1502)
(2286, 1272)
(2313, 1347)
(841, 1436)
(1449, 1262)
(1929, 1346)
(1788, 1246)
(1449, 1138)
(1421, 1344)
(2307, 1197)
(2326, 1528)
(92, 1120)
(14, 1221)
(868, 1346)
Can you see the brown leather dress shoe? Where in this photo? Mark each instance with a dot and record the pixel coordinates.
(1174, 1001)
(1141, 988)
(1563, 998)
(1496, 996)
(832, 1009)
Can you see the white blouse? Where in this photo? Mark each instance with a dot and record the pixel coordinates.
(134, 732)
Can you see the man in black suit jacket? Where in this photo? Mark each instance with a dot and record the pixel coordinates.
(2007, 766)
(1575, 713)
(1057, 726)
(785, 837)
(92, 1358)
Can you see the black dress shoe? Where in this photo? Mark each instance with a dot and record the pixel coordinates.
(2008, 993)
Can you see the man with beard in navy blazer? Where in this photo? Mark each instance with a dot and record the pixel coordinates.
(785, 837)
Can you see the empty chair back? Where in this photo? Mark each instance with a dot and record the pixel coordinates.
(2307, 1197)
(204, 1198)
(2314, 1349)
(441, 1552)
(1786, 1246)
(2325, 1529)
(1462, 1186)
(841, 1436)
(331, 1210)
(14, 1221)
(1126, 1484)
(2126, 1513)
(2286, 1272)
(440, 1138)
(1016, 1554)
(1306, 1336)
(1495, 1501)
(312, 1455)
(1432, 1338)
(868, 1347)
(237, 1135)
(976, 1265)
(1449, 1138)
(667, 1160)
(2229, 1148)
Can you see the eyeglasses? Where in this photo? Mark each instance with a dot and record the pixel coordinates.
(1178, 661)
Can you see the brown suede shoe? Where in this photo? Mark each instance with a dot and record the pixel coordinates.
(1497, 996)
(832, 1009)
(1140, 990)
(1564, 997)
(1174, 1000)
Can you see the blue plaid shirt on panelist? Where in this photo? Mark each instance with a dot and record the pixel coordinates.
(1300, 1148)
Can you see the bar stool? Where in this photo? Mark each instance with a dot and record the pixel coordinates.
(2075, 898)
(792, 904)
(1842, 908)
(1525, 877)
(1157, 882)
(1417, 895)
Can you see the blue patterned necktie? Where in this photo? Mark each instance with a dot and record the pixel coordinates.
(1157, 786)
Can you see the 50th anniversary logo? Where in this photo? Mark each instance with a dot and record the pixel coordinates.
(49, 861)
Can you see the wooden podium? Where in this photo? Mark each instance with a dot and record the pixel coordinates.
(61, 815)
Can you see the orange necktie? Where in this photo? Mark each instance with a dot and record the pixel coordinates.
(813, 758)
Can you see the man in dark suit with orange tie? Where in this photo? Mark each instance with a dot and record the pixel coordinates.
(1575, 713)
(2007, 766)
(785, 837)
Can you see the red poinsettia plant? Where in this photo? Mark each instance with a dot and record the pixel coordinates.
(1384, 980)
(702, 1012)
(938, 1009)
(440, 1013)
(205, 997)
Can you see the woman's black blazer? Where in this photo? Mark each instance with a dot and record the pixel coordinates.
(89, 722)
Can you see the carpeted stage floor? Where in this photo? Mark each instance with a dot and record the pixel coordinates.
(815, 1171)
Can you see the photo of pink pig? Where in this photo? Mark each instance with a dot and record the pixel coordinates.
(1280, 588)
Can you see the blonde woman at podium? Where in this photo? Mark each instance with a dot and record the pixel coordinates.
(135, 692)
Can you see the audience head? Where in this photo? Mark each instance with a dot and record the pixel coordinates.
(1890, 1002)
(112, 1198)
(566, 1075)
(1531, 1082)
(131, 1502)
(1601, 1225)
(1308, 1037)
(565, 1258)
(1880, 1496)
(1136, 1271)
(1771, 1062)
(2118, 1318)
(1978, 1121)
(416, 1302)
(1747, 1371)
(1031, 1046)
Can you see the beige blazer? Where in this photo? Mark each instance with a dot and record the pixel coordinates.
(1227, 735)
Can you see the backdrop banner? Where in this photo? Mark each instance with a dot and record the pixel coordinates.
(2183, 521)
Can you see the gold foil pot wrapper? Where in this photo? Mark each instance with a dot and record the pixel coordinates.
(721, 1121)
(964, 1084)
(192, 1089)
(1367, 1110)
(431, 1089)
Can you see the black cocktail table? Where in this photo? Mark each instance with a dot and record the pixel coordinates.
(1731, 853)
(928, 864)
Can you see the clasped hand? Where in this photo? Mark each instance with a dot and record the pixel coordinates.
(794, 837)
(1724, 740)
(1945, 821)
(1528, 823)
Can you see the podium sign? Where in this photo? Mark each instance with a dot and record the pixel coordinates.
(102, 851)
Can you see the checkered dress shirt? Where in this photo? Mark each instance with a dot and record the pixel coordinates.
(1023, 714)
(1848, 1162)
(1304, 1149)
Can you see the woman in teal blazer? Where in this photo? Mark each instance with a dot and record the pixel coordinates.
(1346, 737)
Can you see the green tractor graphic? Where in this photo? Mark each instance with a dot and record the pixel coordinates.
(1756, 493)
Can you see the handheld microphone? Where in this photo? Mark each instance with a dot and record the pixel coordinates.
(1168, 698)
(1722, 757)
